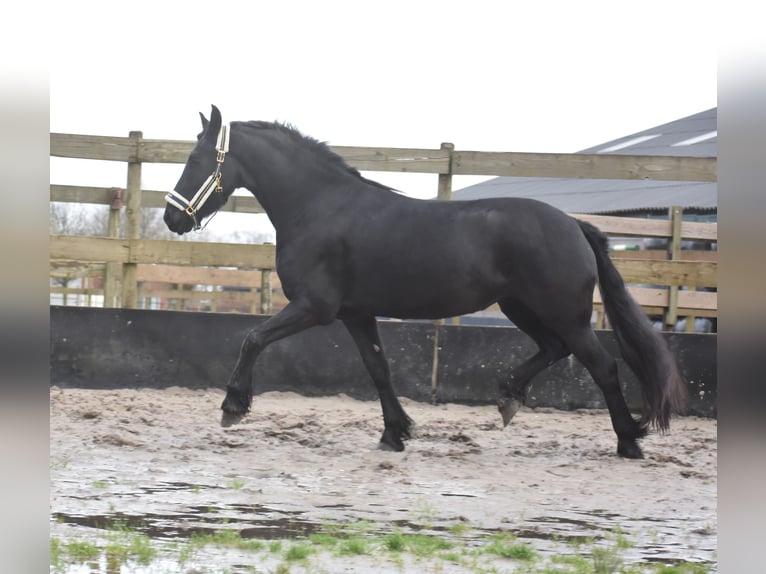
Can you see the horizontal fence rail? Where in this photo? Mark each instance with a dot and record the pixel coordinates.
(438, 161)
(670, 283)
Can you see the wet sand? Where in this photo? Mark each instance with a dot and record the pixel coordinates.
(159, 459)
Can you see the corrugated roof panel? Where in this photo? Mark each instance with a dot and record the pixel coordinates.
(614, 196)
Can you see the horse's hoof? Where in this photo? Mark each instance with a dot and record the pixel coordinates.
(629, 449)
(389, 441)
(508, 408)
(228, 419)
(391, 447)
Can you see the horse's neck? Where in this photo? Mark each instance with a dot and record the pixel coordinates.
(285, 186)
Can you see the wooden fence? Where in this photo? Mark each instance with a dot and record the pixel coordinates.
(130, 271)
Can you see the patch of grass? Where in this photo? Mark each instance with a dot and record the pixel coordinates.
(55, 553)
(606, 560)
(324, 539)
(236, 484)
(354, 546)
(580, 564)
(82, 551)
(298, 552)
(227, 538)
(452, 557)
(275, 546)
(620, 539)
(99, 484)
(418, 544)
(507, 547)
(139, 548)
(683, 568)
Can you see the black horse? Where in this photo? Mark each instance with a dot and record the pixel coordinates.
(352, 249)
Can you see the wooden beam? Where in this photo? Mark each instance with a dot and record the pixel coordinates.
(677, 273)
(199, 275)
(92, 147)
(149, 198)
(585, 166)
(396, 159)
(640, 227)
(138, 251)
(657, 299)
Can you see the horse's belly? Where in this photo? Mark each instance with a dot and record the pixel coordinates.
(417, 299)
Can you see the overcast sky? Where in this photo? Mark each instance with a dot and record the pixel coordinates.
(485, 75)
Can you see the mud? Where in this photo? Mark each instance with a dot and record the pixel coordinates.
(158, 461)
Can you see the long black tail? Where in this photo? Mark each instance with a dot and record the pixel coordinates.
(645, 350)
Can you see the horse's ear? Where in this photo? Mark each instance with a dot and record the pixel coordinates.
(213, 126)
(205, 123)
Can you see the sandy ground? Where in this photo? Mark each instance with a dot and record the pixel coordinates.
(160, 456)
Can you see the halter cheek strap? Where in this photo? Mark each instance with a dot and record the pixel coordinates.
(212, 183)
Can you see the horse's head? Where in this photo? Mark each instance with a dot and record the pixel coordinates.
(202, 189)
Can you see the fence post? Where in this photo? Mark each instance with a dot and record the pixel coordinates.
(444, 193)
(133, 213)
(265, 291)
(112, 269)
(444, 190)
(674, 253)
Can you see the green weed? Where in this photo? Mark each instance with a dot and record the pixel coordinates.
(354, 547)
(507, 547)
(298, 552)
(82, 551)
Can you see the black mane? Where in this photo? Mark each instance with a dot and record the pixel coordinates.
(321, 148)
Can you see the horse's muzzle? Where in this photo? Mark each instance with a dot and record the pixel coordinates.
(177, 221)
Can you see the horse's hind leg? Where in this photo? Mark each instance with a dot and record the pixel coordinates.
(364, 331)
(512, 394)
(603, 368)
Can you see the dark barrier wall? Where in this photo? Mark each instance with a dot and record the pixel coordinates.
(116, 348)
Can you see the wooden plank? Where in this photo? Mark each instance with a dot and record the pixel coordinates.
(705, 300)
(611, 225)
(165, 151)
(195, 253)
(149, 198)
(657, 299)
(199, 295)
(585, 166)
(662, 255)
(396, 159)
(81, 194)
(606, 166)
(677, 273)
(77, 290)
(75, 248)
(199, 275)
(92, 147)
(640, 227)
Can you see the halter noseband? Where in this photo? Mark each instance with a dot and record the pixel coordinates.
(213, 183)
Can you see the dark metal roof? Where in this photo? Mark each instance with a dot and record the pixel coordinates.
(694, 135)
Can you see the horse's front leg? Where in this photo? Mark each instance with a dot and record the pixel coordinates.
(295, 317)
(364, 331)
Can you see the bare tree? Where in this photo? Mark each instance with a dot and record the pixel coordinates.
(78, 219)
